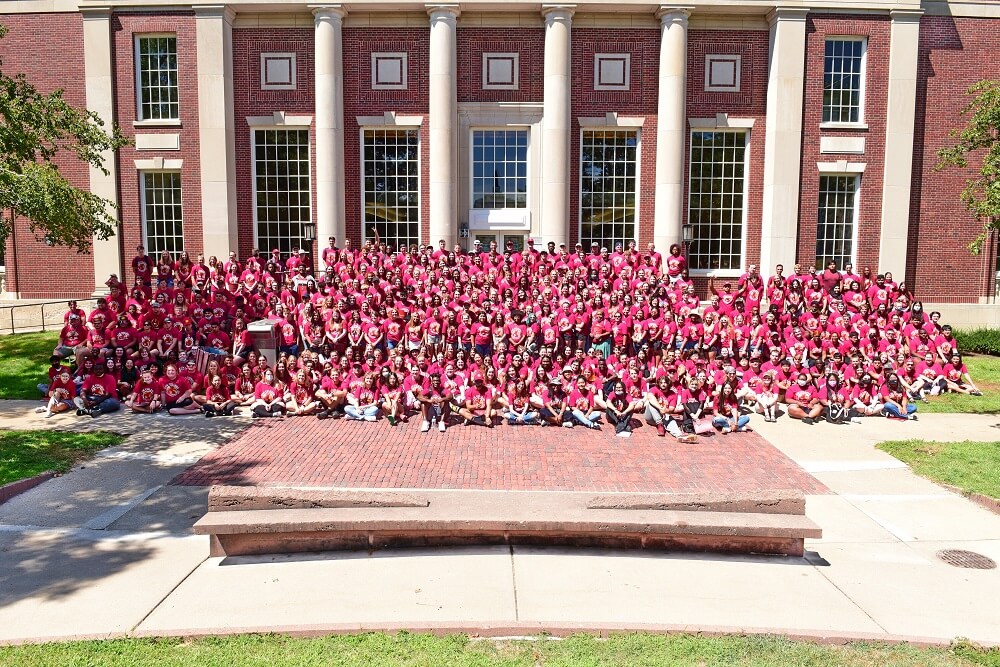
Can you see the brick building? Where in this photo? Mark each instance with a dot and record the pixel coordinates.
(767, 134)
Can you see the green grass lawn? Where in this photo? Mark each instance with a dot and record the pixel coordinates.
(24, 362)
(28, 453)
(973, 467)
(375, 649)
(985, 372)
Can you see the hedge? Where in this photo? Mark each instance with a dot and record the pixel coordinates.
(980, 341)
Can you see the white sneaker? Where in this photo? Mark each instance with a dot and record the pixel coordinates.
(568, 424)
(48, 414)
(855, 420)
(39, 410)
(425, 426)
(624, 434)
(441, 426)
(370, 418)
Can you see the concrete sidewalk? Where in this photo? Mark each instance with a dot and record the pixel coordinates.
(106, 551)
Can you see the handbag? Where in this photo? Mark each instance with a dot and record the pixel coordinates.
(703, 426)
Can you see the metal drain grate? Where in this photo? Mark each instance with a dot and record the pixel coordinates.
(967, 559)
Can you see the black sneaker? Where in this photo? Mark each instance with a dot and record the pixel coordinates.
(94, 413)
(323, 414)
(209, 413)
(808, 420)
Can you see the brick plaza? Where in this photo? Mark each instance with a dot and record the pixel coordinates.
(307, 452)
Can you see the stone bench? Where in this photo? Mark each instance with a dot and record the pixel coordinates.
(257, 521)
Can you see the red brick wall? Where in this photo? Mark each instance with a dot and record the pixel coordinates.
(528, 43)
(125, 26)
(639, 100)
(750, 102)
(361, 100)
(877, 30)
(50, 63)
(250, 100)
(954, 54)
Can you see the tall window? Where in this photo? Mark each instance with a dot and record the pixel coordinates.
(843, 80)
(281, 188)
(500, 169)
(835, 223)
(716, 205)
(156, 73)
(392, 186)
(608, 187)
(162, 212)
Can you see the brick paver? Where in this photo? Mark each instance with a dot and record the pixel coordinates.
(309, 452)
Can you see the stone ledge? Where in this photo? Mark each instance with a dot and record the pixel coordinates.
(235, 498)
(8, 491)
(770, 502)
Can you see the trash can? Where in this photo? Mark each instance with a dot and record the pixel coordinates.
(264, 334)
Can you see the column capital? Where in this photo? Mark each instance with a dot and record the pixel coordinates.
(906, 15)
(214, 12)
(443, 12)
(558, 12)
(671, 13)
(328, 12)
(96, 13)
(787, 14)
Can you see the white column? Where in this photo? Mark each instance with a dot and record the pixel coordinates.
(671, 130)
(904, 45)
(556, 124)
(783, 138)
(99, 79)
(443, 111)
(216, 129)
(330, 219)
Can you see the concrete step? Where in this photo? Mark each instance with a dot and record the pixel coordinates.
(472, 517)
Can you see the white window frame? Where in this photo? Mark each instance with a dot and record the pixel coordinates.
(142, 208)
(637, 128)
(746, 131)
(855, 215)
(136, 38)
(860, 123)
(253, 172)
(472, 164)
(361, 172)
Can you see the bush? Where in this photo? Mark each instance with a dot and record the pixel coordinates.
(980, 341)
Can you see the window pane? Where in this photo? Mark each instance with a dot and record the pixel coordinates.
(278, 197)
(162, 220)
(499, 161)
(835, 220)
(715, 203)
(608, 188)
(842, 76)
(157, 75)
(391, 186)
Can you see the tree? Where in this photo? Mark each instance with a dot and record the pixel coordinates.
(981, 134)
(35, 130)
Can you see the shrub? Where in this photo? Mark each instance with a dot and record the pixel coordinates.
(981, 341)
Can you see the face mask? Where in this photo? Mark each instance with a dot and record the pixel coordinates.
(803, 383)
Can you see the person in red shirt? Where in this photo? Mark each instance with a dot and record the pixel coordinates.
(142, 267)
(176, 392)
(146, 394)
(97, 396)
(60, 391)
(477, 407)
(803, 400)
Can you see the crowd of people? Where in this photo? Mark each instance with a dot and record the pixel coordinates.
(541, 336)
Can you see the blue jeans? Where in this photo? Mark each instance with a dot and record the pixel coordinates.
(587, 419)
(722, 422)
(529, 417)
(361, 412)
(893, 410)
(107, 405)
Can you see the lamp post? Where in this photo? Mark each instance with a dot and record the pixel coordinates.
(308, 237)
(687, 235)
